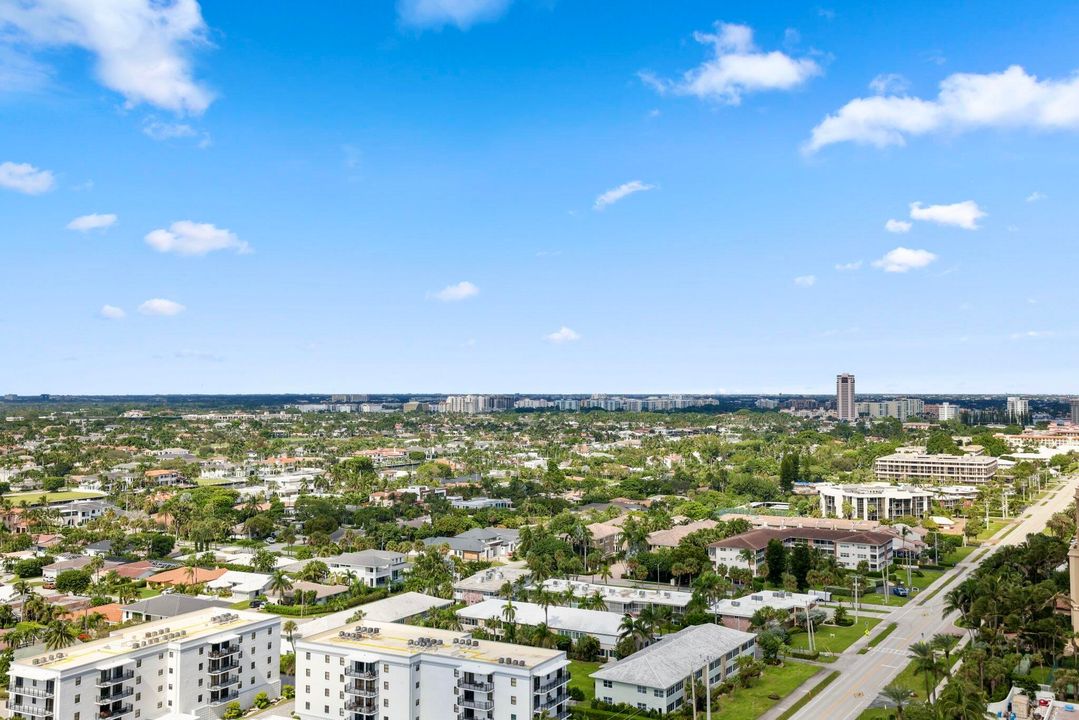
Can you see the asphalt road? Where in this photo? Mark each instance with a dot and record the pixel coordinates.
(862, 677)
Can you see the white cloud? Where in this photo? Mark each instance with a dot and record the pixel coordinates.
(25, 178)
(161, 306)
(190, 238)
(1035, 196)
(738, 67)
(461, 291)
(962, 214)
(562, 335)
(93, 221)
(1032, 335)
(159, 130)
(848, 267)
(967, 101)
(142, 47)
(889, 84)
(903, 259)
(897, 226)
(461, 13)
(111, 312)
(805, 281)
(615, 194)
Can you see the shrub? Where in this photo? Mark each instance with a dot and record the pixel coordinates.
(233, 711)
(261, 701)
(288, 692)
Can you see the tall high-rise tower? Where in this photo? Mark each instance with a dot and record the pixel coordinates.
(1075, 411)
(844, 397)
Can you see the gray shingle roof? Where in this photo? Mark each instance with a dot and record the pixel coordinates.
(675, 657)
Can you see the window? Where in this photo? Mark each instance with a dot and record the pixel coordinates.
(385, 668)
(77, 716)
(607, 684)
(78, 698)
(308, 655)
(200, 698)
(325, 676)
(513, 682)
(513, 699)
(78, 681)
(642, 689)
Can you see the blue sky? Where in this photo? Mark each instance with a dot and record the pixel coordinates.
(537, 196)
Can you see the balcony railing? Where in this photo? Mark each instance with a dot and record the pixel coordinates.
(225, 681)
(29, 690)
(105, 699)
(483, 687)
(225, 651)
(476, 704)
(31, 710)
(361, 674)
(361, 689)
(551, 702)
(107, 680)
(557, 682)
(224, 698)
(231, 665)
(114, 712)
(365, 707)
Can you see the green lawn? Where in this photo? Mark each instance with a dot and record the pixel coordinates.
(928, 578)
(148, 592)
(994, 527)
(33, 498)
(204, 482)
(832, 638)
(958, 556)
(578, 677)
(750, 703)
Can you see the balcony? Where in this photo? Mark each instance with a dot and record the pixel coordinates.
(224, 698)
(114, 712)
(364, 707)
(367, 690)
(106, 699)
(474, 704)
(225, 667)
(225, 681)
(553, 701)
(557, 682)
(353, 672)
(30, 710)
(29, 691)
(224, 652)
(108, 680)
(483, 687)
(365, 714)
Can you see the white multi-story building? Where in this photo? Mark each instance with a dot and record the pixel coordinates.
(574, 623)
(844, 397)
(191, 665)
(902, 408)
(1018, 409)
(947, 411)
(654, 678)
(388, 671)
(620, 599)
(849, 547)
(375, 568)
(873, 501)
(951, 469)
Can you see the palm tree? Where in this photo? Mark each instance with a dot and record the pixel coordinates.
(543, 636)
(605, 571)
(634, 630)
(925, 661)
(594, 601)
(280, 583)
(961, 700)
(946, 643)
(59, 634)
(898, 696)
(289, 627)
(509, 617)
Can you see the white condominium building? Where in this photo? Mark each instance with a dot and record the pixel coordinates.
(873, 501)
(1018, 409)
(387, 671)
(951, 469)
(654, 678)
(844, 397)
(902, 408)
(190, 665)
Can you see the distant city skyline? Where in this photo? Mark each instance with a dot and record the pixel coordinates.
(510, 196)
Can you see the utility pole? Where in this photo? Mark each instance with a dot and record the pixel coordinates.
(708, 688)
(885, 576)
(857, 581)
(809, 631)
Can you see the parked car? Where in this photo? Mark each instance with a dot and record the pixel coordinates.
(899, 591)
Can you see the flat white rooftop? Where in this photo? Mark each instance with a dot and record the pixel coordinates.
(411, 640)
(182, 628)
